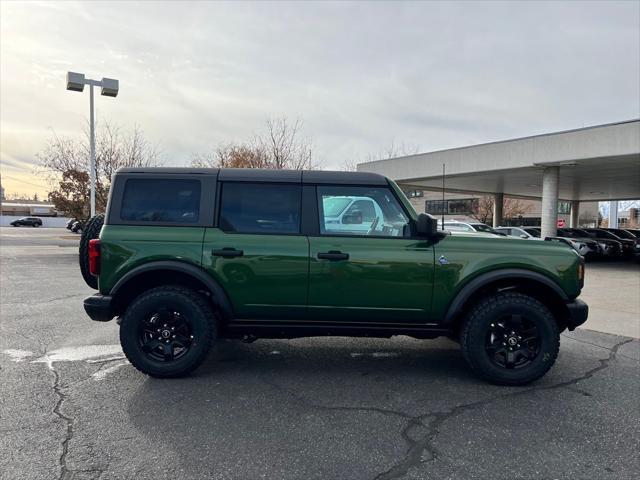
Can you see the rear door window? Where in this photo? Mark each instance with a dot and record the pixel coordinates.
(161, 200)
(260, 208)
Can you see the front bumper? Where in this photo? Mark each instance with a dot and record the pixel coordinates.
(578, 313)
(99, 307)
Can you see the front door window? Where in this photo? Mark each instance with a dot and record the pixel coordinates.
(361, 211)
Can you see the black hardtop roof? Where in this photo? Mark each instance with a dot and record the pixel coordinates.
(269, 175)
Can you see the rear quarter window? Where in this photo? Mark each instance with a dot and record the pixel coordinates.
(161, 200)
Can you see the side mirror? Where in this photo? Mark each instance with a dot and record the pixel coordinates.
(426, 225)
(524, 236)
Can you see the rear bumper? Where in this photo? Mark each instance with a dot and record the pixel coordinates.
(578, 313)
(99, 307)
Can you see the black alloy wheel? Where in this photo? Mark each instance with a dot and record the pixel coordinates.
(510, 338)
(512, 342)
(168, 331)
(166, 335)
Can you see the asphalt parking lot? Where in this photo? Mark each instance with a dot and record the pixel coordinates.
(331, 408)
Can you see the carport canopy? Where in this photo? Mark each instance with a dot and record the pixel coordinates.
(599, 163)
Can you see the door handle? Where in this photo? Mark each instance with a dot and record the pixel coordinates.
(333, 255)
(227, 252)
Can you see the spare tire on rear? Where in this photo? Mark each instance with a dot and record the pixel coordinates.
(90, 231)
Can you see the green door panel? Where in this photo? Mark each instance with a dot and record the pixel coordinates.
(269, 280)
(384, 279)
(125, 247)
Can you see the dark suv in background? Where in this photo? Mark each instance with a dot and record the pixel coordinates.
(628, 245)
(27, 222)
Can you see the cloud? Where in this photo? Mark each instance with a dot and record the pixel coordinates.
(360, 74)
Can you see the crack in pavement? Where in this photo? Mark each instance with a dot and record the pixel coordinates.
(68, 421)
(58, 387)
(46, 300)
(426, 443)
(591, 343)
(303, 401)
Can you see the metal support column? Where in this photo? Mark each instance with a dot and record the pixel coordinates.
(575, 213)
(613, 214)
(550, 180)
(498, 203)
(92, 167)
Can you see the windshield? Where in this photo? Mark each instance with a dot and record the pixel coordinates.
(569, 233)
(604, 234)
(458, 227)
(481, 227)
(533, 232)
(403, 199)
(581, 233)
(624, 234)
(334, 206)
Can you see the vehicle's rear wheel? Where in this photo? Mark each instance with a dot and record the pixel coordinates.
(510, 338)
(91, 231)
(168, 331)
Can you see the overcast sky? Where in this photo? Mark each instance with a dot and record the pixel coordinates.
(360, 75)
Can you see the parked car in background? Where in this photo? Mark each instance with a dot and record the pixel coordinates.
(517, 232)
(27, 222)
(70, 223)
(456, 226)
(633, 231)
(626, 235)
(76, 227)
(585, 246)
(628, 246)
(607, 247)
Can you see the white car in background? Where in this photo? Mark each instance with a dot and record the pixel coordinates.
(517, 232)
(471, 227)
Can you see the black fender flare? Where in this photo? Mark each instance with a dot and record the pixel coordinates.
(218, 295)
(455, 307)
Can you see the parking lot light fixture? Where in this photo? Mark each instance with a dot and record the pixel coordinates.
(109, 87)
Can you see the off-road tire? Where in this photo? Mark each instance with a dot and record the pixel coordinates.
(91, 231)
(476, 328)
(188, 302)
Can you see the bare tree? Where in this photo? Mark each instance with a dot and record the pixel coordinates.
(281, 146)
(511, 208)
(390, 151)
(394, 150)
(232, 155)
(349, 165)
(64, 159)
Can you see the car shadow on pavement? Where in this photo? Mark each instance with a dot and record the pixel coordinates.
(258, 409)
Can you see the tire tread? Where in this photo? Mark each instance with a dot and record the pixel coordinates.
(473, 327)
(200, 302)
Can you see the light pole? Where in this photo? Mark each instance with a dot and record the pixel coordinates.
(109, 88)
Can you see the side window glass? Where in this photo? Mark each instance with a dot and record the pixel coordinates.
(362, 208)
(360, 211)
(260, 208)
(161, 200)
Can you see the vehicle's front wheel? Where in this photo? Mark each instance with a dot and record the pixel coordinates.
(510, 339)
(168, 331)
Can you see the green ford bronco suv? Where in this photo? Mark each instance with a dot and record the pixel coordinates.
(188, 256)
